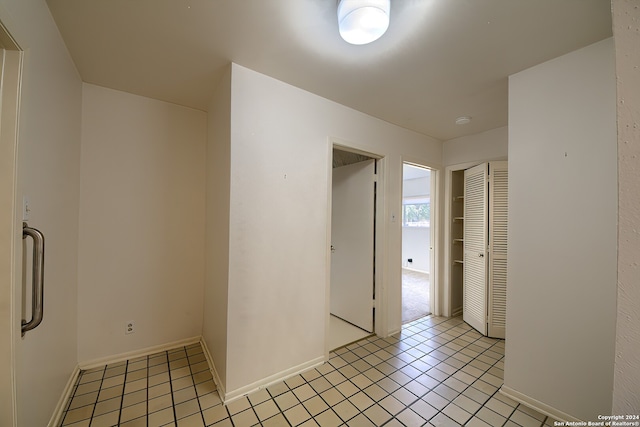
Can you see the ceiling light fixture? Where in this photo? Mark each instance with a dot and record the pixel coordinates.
(363, 21)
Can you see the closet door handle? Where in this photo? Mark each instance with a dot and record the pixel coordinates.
(37, 278)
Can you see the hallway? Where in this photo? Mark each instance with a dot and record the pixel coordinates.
(436, 372)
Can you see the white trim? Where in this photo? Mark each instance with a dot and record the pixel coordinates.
(137, 353)
(435, 254)
(327, 262)
(270, 380)
(416, 270)
(380, 319)
(351, 147)
(448, 262)
(532, 403)
(381, 314)
(214, 372)
(393, 332)
(58, 412)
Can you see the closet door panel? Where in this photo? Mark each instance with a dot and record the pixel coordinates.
(498, 210)
(475, 248)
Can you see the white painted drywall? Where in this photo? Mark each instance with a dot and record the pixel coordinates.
(48, 172)
(416, 241)
(626, 31)
(479, 147)
(561, 305)
(141, 222)
(214, 330)
(277, 304)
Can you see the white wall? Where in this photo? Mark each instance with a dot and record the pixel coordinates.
(416, 241)
(141, 222)
(214, 329)
(280, 161)
(479, 147)
(415, 246)
(48, 172)
(626, 31)
(561, 306)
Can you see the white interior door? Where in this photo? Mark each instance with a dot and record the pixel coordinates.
(474, 298)
(498, 210)
(10, 235)
(352, 232)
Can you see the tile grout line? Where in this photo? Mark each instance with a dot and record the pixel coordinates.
(95, 405)
(147, 392)
(204, 422)
(442, 347)
(399, 369)
(425, 372)
(276, 402)
(173, 403)
(124, 386)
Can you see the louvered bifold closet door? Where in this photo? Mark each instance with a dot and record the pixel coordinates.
(498, 209)
(474, 297)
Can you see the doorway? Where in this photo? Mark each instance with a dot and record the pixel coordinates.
(353, 223)
(417, 241)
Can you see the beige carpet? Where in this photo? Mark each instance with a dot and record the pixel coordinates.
(415, 295)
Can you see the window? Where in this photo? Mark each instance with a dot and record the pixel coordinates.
(416, 212)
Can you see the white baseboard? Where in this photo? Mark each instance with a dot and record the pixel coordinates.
(270, 380)
(56, 418)
(532, 403)
(214, 372)
(137, 353)
(258, 385)
(456, 312)
(393, 332)
(416, 270)
(225, 396)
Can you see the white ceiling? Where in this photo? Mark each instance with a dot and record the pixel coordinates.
(439, 60)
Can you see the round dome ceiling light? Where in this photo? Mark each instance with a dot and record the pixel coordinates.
(363, 21)
(463, 120)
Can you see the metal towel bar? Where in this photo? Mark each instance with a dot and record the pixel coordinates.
(37, 278)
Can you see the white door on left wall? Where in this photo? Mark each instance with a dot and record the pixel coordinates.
(42, 161)
(8, 244)
(352, 241)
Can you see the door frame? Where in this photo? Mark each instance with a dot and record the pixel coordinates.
(10, 231)
(436, 259)
(448, 262)
(380, 326)
(434, 233)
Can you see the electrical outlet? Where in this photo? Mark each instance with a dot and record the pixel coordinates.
(130, 327)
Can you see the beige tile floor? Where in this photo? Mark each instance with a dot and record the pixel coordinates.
(436, 372)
